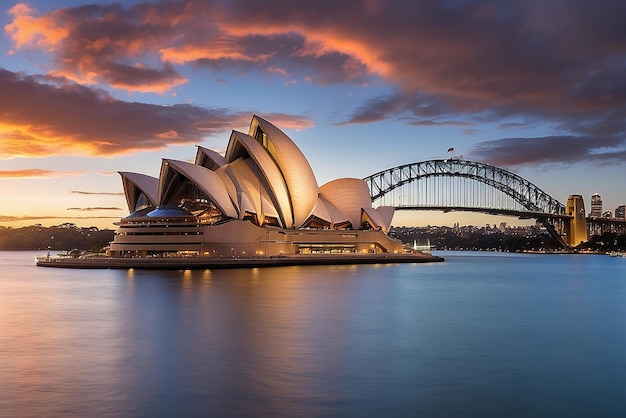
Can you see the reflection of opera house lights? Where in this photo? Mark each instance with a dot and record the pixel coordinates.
(261, 199)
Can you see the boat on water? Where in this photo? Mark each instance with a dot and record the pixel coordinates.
(422, 248)
(617, 254)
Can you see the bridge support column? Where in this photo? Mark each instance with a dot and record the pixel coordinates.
(576, 227)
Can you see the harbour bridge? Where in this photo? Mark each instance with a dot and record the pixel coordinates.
(460, 185)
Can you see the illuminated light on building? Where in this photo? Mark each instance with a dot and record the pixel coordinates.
(260, 199)
(596, 206)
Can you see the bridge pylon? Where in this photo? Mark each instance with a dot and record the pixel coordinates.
(576, 227)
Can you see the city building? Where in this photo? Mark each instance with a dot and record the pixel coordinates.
(620, 212)
(596, 206)
(259, 199)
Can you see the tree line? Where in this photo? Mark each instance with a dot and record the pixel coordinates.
(60, 238)
(494, 240)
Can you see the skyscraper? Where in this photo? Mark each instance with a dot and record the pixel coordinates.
(596, 205)
(620, 212)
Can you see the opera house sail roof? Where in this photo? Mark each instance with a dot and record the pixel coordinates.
(241, 201)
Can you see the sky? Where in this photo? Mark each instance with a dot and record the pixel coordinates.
(89, 89)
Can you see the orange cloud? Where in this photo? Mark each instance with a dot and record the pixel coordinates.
(36, 173)
(473, 55)
(43, 116)
(97, 208)
(98, 44)
(119, 46)
(297, 123)
(554, 63)
(20, 219)
(27, 30)
(171, 134)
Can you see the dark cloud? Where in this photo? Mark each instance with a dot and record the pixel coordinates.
(52, 116)
(477, 53)
(418, 109)
(557, 64)
(101, 43)
(439, 123)
(550, 150)
(282, 54)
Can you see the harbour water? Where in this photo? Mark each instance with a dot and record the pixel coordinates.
(479, 335)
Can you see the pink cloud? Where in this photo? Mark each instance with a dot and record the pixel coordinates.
(42, 116)
(473, 54)
(36, 173)
(556, 63)
(26, 29)
(97, 44)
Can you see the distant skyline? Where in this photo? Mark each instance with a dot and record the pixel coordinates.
(89, 89)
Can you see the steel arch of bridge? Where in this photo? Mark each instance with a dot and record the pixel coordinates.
(523, 198)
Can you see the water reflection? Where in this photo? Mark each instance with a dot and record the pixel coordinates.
(259, 330)
(477, 335)
(61, 348)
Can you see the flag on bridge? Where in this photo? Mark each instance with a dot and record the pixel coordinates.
(450, 149)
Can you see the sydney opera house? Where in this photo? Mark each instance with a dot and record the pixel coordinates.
(260, 199)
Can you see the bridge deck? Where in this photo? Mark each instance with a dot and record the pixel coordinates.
(488, 211)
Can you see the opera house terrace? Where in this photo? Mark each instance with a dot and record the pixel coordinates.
(259, 204)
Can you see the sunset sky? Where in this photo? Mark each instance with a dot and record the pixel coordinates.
(88, 89)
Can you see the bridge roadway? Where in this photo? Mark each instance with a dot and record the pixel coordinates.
(489, 211)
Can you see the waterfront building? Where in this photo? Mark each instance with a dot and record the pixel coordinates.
(620, 212)
(596, 206)
(259, 199)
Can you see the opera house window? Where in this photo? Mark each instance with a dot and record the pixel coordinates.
(142, 202)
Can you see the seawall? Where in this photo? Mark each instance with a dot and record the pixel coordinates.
(171, 263)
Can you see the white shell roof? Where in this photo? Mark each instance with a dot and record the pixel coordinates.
(206, 180)
(349, 196)
(321, 212)
(328, 212)
(242, 145)
(266, 175)
(230, 188)
(295, 169)
(134, 183)
(336, 215)
(249, 185)
(386, 215)
(209, 158)
(372, 216)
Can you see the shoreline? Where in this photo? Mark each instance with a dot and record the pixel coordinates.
(174, 263)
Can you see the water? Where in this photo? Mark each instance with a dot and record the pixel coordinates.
(480, 335)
